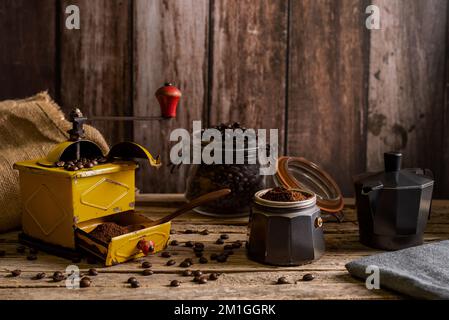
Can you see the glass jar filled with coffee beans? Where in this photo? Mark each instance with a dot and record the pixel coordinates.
(242, 177)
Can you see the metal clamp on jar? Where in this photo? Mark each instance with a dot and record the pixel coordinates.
(285, 233)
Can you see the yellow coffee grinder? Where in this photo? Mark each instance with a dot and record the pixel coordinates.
(77, 188)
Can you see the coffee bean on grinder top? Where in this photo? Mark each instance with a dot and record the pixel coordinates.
(243, 179)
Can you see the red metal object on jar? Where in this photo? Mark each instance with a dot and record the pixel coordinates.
(168, 97)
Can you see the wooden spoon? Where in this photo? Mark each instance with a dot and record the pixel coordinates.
(205, 198)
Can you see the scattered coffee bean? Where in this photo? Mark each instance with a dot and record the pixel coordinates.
(39, 276)
(58, 276)
(205, 232)
(135, 284)
(196, 278)
(203, 260)
(187, 273)
(189, 260)
(16, 273)
(219, 241)
(146, 264)
(174, 243)
(282, 280)
(60, 164)
(89, 165)
(175, 283)
(2, 253)
(189, 244)
(228, 252)
(31, 257)
(199, 254)
(198, 249)
(85, 282)
(132, 279)
(147, 272)
(213, 276)
(21, 249)
(213, 256)
(222, 258)
(94, 162)
(172, 231)
(34, 251)
(197, 273)
(93, 272)
(237, 245)
(202, 280)
(185, 264)
(171, 262)
(199, 245)
(228, 247)
(165, 254)
(308, 277)
(224, 236)
(80, 166)
(188, 231)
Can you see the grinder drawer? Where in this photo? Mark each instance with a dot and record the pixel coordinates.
(124, 247)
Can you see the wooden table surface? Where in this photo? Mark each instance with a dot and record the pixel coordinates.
(240, 279)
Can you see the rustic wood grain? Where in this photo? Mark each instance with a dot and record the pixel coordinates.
(170, 44)
(28, 51)
(327, 285)
(96, 64)
(241, 278)
(248, 64)
(406, 85)
(327, 91)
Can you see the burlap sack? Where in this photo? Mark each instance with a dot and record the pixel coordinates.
(29, 129)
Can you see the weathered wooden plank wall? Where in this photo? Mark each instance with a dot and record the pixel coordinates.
(96, 64)
(170, 44)
(327, 87)
(27, 47)
(248, 64)
(407, 85)
(340, 94)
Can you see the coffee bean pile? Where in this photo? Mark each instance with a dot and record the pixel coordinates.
(243, 179)
(83, 163)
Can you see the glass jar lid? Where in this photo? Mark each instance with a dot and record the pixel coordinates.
(300, 173)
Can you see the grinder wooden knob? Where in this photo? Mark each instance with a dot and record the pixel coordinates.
(168, 97)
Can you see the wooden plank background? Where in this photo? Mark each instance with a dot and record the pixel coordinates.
(340, 94)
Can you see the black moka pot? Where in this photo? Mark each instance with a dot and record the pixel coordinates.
(393, 206)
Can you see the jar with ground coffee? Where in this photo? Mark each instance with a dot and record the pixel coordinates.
(285, 227)
(241, 175)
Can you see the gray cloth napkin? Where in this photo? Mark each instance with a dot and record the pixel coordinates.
(421, 272)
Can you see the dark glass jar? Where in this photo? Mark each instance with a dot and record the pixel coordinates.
(244, 180)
